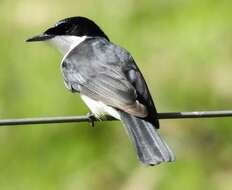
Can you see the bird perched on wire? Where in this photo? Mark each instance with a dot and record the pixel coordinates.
(109, 82)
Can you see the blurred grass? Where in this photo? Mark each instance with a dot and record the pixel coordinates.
(184, 50)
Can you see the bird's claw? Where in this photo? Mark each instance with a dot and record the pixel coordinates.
(91, 118)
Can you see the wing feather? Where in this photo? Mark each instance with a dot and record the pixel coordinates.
(109, 75)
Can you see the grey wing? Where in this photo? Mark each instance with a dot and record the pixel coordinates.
(107, 85)
(136, 78)
(103, 82)
(107, 73)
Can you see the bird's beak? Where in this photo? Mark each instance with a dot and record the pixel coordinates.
(38, 38)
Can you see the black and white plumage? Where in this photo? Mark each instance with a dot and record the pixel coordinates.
(109, 82)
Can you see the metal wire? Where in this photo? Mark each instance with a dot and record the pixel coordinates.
(75, 119)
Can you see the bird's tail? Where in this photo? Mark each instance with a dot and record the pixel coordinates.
(151, 148)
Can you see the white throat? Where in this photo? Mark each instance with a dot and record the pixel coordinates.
(66, 43)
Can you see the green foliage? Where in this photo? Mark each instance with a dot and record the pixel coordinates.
(184, 50)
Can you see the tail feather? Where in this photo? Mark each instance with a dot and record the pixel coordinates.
(151, 148)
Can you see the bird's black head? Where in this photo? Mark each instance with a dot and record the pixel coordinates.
(73, 26)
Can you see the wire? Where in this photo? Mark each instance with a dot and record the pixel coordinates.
(72, 119)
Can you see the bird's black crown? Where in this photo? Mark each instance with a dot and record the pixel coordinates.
(76, 26)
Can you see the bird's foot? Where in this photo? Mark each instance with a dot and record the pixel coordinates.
(91, 118)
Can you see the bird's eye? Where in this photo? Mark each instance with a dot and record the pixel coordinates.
(66, 27)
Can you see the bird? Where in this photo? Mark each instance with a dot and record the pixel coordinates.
(109, 82)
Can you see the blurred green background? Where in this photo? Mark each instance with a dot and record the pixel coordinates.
(184, 49)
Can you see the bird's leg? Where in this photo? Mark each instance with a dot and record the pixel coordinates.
(91, 118)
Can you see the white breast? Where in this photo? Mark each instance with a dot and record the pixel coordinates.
(100, 109)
